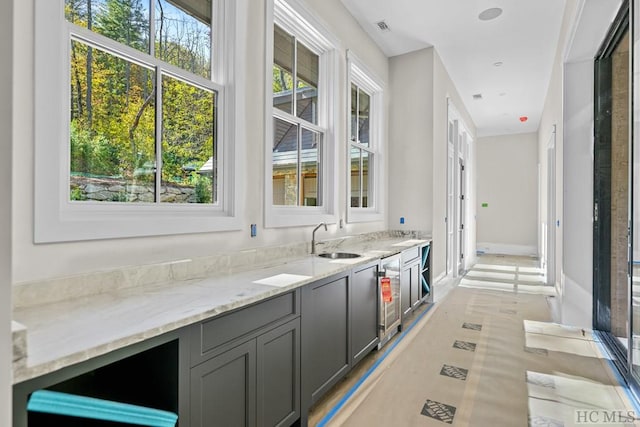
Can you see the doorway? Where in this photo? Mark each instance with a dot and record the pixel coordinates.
(457, 219)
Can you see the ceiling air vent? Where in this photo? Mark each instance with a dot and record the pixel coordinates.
(477, 96)
(382, 26)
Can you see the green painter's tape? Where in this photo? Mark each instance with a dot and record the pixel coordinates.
(485, 205)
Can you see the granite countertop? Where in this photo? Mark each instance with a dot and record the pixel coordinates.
(75, 330)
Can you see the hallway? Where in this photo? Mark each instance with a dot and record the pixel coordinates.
(487, 354)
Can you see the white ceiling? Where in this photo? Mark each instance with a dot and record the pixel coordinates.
(524, 38)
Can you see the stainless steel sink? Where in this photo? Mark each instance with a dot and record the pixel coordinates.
(339, 255)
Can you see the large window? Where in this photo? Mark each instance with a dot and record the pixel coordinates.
(297, 138)
(142, 120)
(365, 143)
(299, 181)
(360, 149)
(134, 134)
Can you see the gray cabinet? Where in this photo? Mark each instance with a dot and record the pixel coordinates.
(262, 365)
(325, 336)
(246, 366)
(364, 311)
(278, 375)
(412, 291)
(222, 389)
(410, 280)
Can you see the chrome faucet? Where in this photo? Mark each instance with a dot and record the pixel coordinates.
(313, 237)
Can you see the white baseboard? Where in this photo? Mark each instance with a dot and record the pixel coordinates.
(439, 278)
(506, 249)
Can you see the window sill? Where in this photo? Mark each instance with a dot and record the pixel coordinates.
(278, 217)
(104, 223)
(355, 215)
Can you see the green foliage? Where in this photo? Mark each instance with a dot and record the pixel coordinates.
(123, 21)
(113, 101)
(77, 194)
(203, 188)
(119, 197)
(282, 79)
(92, 155)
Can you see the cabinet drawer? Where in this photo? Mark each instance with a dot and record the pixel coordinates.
(214, 333)
(410, 254)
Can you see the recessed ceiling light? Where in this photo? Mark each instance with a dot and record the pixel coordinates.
(382, 26)
(503, 93)
(497, 64)
(477, 96)
(489, 14)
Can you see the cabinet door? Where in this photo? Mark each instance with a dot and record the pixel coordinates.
(405, 290)
(325, 336)
(279, 375)
(364, 312)
(223, 389)
(415, 284)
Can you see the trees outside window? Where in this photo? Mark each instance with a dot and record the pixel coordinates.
(142, 104)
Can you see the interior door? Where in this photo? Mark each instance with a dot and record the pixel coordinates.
(551, 211)
(450, 210)
(461, 216)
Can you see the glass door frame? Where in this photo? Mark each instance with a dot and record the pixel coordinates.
(602, 191)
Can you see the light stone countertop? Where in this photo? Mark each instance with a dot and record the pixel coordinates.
(68, 332)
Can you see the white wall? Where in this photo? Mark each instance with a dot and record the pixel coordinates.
(6, 87)
(552, 115)
(577, 243)
(420, 90)
(34, 262)
(411, 140)
(507, 174)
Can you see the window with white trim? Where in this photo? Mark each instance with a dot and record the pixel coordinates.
(142, 121)
(297, 138)
(143, 140)
(364, 146)
(300, 146)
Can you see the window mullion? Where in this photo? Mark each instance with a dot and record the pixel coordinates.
(279, 114)
(294, 79)
(320, 175)
(360, 177)
(152, 28)
(357, 121)
(158, 133)
(299, 167)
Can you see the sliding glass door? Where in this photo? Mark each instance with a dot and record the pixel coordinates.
(616, 290)
(616, 214)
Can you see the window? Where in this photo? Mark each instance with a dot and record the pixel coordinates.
(297, 139)
(364, 147)
(142, 112)
(299, 183)
(119, 98)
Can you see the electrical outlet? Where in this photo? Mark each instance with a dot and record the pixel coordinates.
(254, 230)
